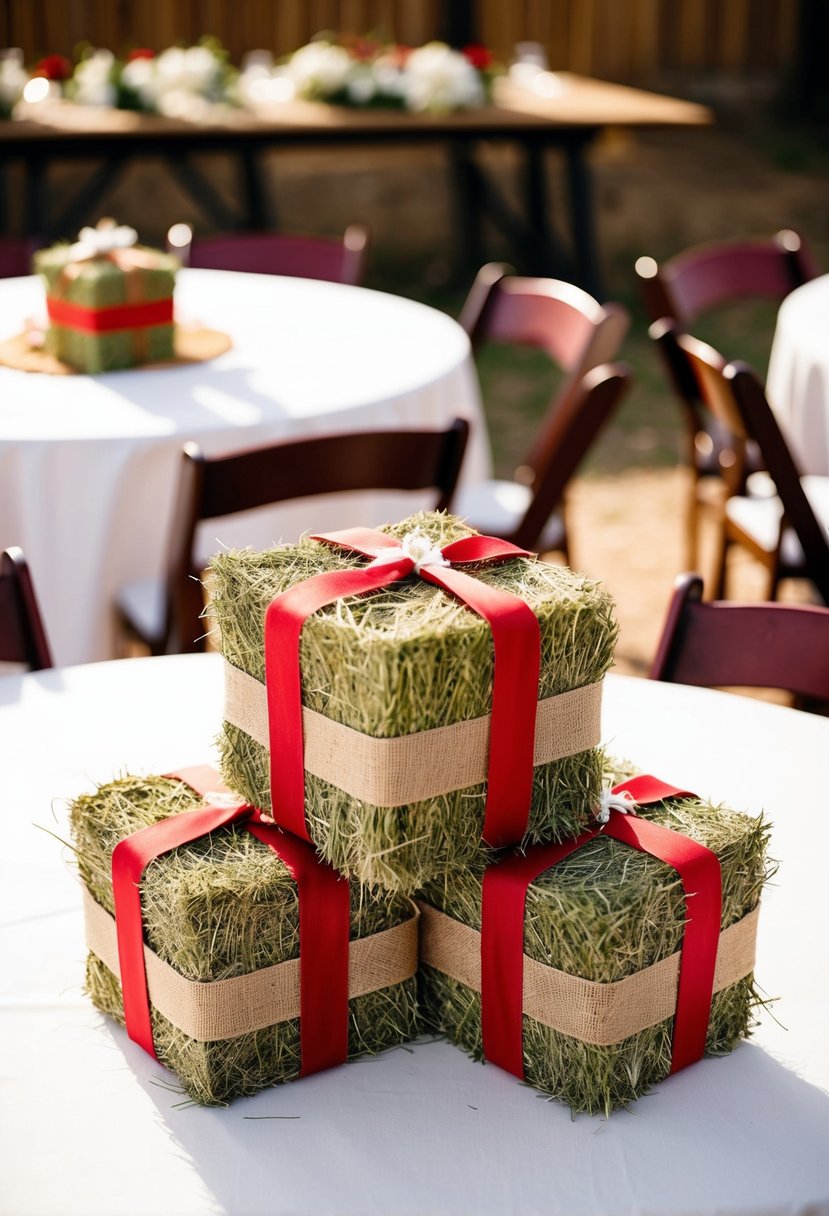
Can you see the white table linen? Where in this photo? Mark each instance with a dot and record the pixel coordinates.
(88, 465)
(798, 375)
(89, 1125)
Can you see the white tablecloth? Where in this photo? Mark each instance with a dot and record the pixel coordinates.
(87, 1127)
(88, 464)
(798, 376)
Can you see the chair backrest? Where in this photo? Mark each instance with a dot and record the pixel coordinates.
(766, 645)
(215, 486)
(575, 330)
(16, 256)
(338, 260)
(734, 395)
(22, 635)
(575, 425)
(706, 276)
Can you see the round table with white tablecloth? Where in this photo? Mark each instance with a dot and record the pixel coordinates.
(798, 377)
(90, 1125)
(88, 464)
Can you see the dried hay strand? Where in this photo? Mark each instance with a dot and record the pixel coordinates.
(220, 907)
(406, 659)
(603, 913)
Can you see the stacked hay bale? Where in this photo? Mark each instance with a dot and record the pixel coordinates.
(408, 659)
(391, 664)
(604, 913)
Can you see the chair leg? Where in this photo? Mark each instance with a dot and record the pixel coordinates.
(720, 565)
(692, 513)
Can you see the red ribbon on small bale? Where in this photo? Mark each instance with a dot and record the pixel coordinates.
(324, 918)
(516, 642)
(502, 926)
(111, 319)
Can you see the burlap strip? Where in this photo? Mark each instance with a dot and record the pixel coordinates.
(410, 768)
(225, 1009)
(601, 1014)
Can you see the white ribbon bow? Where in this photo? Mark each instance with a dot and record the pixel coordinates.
(103, 238)
(608, 801)
(418, 548)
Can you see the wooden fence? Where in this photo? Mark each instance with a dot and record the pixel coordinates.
(635, 41)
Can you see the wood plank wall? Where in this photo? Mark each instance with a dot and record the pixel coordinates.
(626, 40)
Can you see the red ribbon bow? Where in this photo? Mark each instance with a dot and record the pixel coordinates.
(324, 918)
(516, 641)
(502, 926)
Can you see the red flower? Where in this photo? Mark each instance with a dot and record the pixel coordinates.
(54, 67)
(140, 52)
(479, 56)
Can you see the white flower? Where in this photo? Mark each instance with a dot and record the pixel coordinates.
(319, 69)
(103, 238)
(13, 77)
(93, 80)
(139, 75)
(439, 79)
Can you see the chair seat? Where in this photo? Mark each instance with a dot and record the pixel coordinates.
(496, 508)
(759, 517)
(142, 604)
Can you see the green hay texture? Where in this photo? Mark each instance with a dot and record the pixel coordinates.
(407, 659)
(100, 283)
(221, 907)
(603, 913)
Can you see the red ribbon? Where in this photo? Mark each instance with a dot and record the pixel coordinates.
(324, 920)
(502, 927)
(106, 320)
(516, 641)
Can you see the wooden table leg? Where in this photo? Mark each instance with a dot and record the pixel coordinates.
(582, 217)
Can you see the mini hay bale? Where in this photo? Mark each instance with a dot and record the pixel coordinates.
(407, 659)
(603, 913)
(221, 907)
(134, 276)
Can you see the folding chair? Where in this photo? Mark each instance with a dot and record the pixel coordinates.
(780, 646)
(692, 284)
(22, 635)
(579, 335)
(340, 260)
(165, 616)
(787, 531)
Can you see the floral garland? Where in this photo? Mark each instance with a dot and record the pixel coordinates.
(188, 82)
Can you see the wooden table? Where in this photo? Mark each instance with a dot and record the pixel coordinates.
(570, 121)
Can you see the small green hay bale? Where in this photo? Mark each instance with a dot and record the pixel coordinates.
(402, 660)
(604, 913)
(221, 907)
(101, 283)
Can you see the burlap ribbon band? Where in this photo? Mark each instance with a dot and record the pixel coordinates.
(411, 768)
(226, 1009)
(599, 1014)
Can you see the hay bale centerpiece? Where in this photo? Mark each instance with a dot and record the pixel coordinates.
(220, 912)
(392, 665)
(109, 300)
(605, 913)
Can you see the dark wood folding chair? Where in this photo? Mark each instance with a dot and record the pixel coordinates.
(722, 644)
(787, 531)
(692, 284)
(338, 260)
(22, 635)
(579, 335)
(166, 617)
(16, 256)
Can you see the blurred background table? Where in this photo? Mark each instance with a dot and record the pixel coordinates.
(91, 1126)
(798, 375)
(88, 465)
(569, 118)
